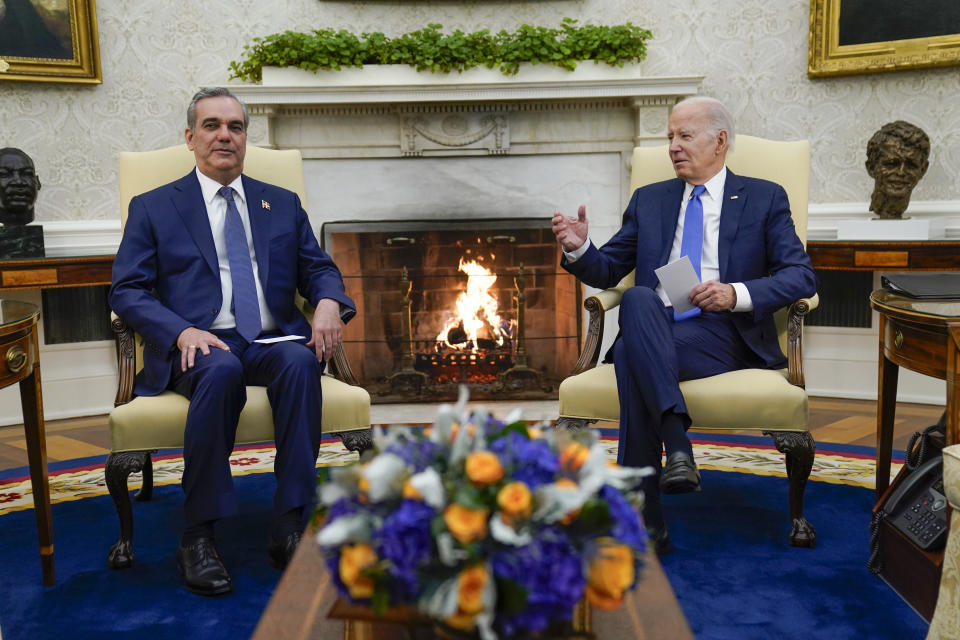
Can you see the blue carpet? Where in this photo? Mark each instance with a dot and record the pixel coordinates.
(733, 572)
(736, 577)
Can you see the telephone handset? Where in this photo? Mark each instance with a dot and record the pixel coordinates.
(918, 507)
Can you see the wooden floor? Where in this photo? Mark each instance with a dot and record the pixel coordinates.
(831, 420)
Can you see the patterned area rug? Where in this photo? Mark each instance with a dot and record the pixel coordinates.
(744, 454)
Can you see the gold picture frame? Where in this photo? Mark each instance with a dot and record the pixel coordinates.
(59, 45)
(828, 57)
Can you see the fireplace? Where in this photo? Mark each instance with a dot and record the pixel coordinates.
(447, 302)
(458, 165)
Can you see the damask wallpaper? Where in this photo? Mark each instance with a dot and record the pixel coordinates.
(753, 54)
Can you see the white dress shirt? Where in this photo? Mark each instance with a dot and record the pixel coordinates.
(712, 200)
(217, 215)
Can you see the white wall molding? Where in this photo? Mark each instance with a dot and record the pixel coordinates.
(822, 218)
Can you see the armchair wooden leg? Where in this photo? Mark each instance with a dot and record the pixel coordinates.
(572, 424)
(118, 468)
(799, 449)
(360, 440)
(146, 487)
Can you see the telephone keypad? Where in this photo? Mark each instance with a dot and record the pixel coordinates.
(924, 521)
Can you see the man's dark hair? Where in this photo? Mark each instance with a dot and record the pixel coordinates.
(213, 92)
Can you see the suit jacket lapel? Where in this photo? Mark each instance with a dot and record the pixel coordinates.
(259, 226)
(734, 199)
(669, 214)
(188, 201)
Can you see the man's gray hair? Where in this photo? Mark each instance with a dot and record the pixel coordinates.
(718, 118)
(213, 92)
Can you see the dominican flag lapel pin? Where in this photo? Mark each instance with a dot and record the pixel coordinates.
(265, 205)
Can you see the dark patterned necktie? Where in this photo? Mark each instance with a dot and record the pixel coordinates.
(246, 307)
(691, 244)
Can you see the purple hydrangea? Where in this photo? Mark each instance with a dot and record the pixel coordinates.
(550, 569)
(528, 461)
(626, 521)
(405, 541)
(418, 454)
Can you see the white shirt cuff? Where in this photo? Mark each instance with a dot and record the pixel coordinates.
(744, 301)
(573, 256)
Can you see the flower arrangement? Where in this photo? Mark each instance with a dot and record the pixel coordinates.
(483, 525)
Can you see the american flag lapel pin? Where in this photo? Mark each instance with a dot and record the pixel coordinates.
(265, 205)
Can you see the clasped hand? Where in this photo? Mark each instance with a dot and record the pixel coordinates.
(713, 296)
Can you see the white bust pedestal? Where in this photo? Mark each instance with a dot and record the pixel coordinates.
(883, 229)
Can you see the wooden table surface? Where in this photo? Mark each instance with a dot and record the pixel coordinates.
(299, 606)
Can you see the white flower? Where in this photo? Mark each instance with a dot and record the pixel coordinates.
(429, 484)
(385, 475)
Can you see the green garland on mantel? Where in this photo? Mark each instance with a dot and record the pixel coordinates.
(429, 49)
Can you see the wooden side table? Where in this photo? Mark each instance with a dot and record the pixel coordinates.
(884, 255)
(20, 362)
(922, 335)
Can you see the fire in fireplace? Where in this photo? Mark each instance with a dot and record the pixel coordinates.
(441, 303)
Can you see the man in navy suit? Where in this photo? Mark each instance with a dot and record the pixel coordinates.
(750, 261)
(208, 264)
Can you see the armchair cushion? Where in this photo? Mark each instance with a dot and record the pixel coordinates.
(946, 618)
(774, 403)
(156, 422)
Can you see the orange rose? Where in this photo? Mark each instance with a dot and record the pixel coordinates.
(515, 502)
(470, 585)
(466, 525)
(567, 483)
(410, 493)
(354, 558)
(573, 456)
(363, 486)
(483, 468)
(611, 573)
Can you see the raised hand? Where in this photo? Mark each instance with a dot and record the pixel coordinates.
(570, 232)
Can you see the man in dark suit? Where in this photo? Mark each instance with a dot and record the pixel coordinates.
(208, 264)
(740, 238)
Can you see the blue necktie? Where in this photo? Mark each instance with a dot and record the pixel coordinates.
(246, 307)
(691, 244)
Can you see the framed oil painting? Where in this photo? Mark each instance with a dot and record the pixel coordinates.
(849, 37)
(49, 41)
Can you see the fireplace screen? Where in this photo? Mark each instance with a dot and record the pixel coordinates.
(440, 303)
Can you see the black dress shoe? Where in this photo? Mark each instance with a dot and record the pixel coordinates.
(281, 551)
(660, 541)
(680, 474)
(202, 570)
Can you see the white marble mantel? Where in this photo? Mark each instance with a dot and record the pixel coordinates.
(353, 96)
(541, 139)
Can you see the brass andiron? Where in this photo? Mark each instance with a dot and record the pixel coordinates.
(407, 381)
(520, 377)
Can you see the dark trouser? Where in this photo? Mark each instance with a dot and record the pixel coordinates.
(651, 357)
(216, 388)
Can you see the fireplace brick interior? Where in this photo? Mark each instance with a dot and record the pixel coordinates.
(372, 257)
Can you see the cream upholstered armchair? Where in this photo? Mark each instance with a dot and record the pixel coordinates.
(773, 402)
(139, 426)
(945, 624)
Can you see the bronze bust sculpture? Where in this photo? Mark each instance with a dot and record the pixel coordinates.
(897, 157)
(19, 185)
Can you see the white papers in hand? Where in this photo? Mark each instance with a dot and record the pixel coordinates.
(678, 279)
(279, 339)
